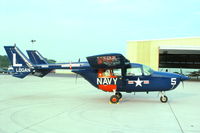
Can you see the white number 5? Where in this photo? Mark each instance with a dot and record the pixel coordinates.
(173, 81)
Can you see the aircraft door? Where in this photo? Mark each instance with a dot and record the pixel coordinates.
(139, 78)
(135, 80)
(118, 73)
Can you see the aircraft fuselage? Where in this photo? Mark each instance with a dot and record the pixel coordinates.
(134, 79)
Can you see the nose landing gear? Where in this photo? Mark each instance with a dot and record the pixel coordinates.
(163, 98)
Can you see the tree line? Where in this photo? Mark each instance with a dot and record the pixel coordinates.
(4, 63)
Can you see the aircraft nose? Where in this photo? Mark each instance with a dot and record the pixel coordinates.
(183, 77)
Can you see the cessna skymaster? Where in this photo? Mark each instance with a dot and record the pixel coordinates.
(108, 72)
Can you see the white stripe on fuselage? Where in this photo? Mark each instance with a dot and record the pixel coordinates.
(70, 65)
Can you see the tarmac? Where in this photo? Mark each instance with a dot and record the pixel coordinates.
(55, 104)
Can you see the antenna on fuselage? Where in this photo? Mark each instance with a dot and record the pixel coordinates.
(79, 60)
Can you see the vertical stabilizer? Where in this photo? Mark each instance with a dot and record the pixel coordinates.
(36, 57)
(20, 63)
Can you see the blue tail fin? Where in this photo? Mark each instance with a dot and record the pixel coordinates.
(36, 57)
(20, 63)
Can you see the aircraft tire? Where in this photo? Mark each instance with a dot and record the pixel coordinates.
(119, 95)
(163, 99)
(114, 99)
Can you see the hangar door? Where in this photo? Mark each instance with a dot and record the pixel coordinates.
(179, 57)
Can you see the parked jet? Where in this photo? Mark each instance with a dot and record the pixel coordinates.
(108, 72)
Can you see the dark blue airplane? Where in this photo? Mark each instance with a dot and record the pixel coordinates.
(108, 72)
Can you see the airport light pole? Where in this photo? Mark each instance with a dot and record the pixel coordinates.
(33, 41)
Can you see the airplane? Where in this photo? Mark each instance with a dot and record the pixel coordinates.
(107, 72)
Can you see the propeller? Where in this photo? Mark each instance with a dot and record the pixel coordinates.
(181, 71)
(76, 73)
(182, 83)
(181, 79)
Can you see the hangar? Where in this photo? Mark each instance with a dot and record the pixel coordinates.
(166, 53)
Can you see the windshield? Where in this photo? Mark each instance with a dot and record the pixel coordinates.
(147, 70)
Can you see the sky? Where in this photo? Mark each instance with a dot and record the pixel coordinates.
(66, 30)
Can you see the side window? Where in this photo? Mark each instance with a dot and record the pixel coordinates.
(117, 72)
(137, 71)
(107, 72)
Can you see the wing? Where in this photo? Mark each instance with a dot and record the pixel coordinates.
(106, 61)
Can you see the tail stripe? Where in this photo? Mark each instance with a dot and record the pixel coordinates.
(23, 57)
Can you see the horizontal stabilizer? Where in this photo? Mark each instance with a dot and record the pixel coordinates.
(41, 72)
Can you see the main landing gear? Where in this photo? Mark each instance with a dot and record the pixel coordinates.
(163, 98)
(115, 98)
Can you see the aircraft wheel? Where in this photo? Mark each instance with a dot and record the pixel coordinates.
(119, 95)
(163, 99)
(114, 99)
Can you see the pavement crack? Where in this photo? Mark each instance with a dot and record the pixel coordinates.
(39, 122)
(179, 124)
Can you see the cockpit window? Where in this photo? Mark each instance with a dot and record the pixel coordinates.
(110, 72)
(135, 71)
(117, 72)
(147, 70)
